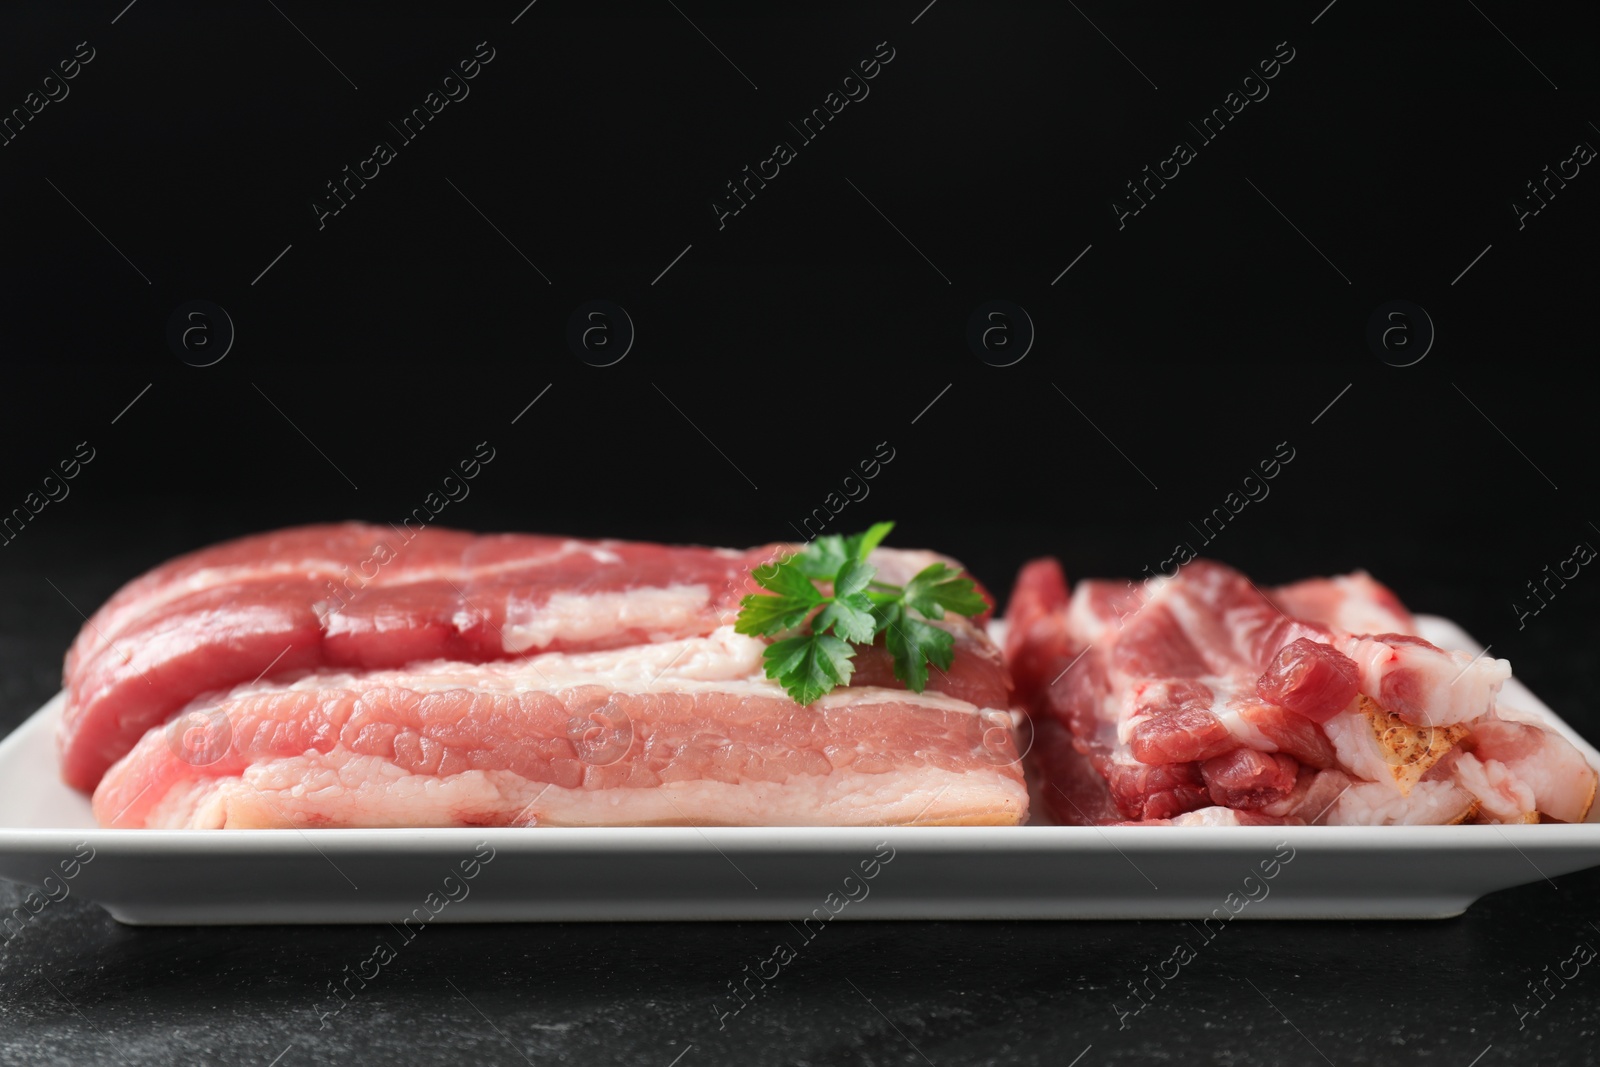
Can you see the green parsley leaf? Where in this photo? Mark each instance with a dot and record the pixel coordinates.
(811, 658)
(787, 579)
(850, 617)
(914, 644)
(887, 612)
(771, 615)
(853, 577)
(858, 545)
(823, 557)
(768, 616)
(937, 587)
(810, 665)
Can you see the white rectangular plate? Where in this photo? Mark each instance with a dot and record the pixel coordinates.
(793, 873)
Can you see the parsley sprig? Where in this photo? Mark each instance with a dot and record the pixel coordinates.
(815, 634)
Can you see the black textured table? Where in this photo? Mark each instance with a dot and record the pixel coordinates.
(79, 988)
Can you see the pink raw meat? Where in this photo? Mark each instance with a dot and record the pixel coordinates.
(350, 595)
(1245, 778)
(1154, 682)
(1312, 679)
(1421, 682)
(1199, 691)
(1355, 603)
(677, 732)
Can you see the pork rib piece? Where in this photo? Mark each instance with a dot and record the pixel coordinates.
(675, 732)
(370, 597)
(1201, 691)
(1158, 688)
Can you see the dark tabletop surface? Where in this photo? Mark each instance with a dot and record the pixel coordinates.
(1176, 346)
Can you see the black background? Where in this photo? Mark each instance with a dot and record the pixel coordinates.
(770, 359)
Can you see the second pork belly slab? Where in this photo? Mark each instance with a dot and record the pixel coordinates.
(678, 732)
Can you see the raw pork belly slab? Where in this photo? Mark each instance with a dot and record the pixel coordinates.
(611, 689)
(359, 596)
(670, 733)
(1202, 699)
